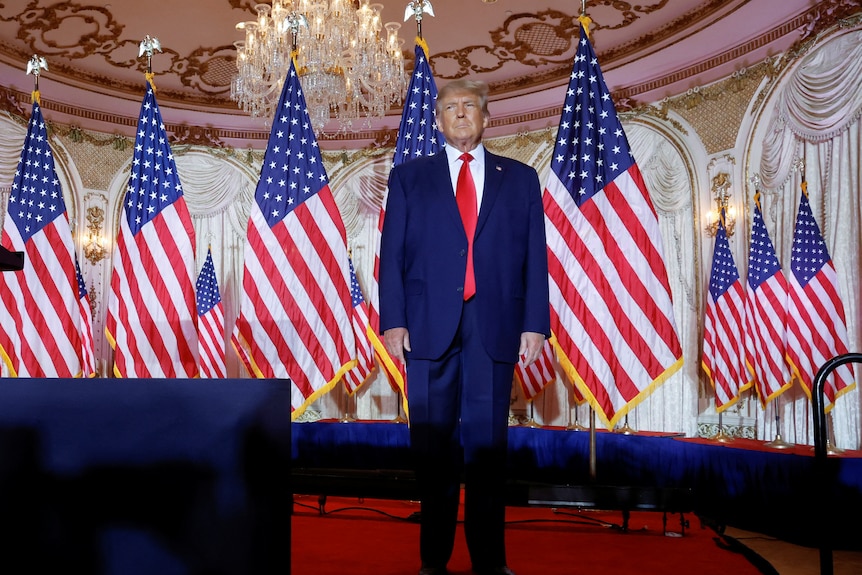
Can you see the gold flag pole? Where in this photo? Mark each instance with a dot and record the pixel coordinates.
(721, 436)
(585, 20)
(35, 66)
(777, 442)
(531, 422)
(148, 46)
(831, 449)
(416, 8)
(576, 425)
(347, 415)
(625, 429)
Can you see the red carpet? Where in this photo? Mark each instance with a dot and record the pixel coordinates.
(375, 537)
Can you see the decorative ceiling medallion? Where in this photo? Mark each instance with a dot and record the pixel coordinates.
(69, 30)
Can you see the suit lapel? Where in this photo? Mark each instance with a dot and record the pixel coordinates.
(443, 184)
(493, 180)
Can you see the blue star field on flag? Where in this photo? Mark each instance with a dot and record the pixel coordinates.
(36, 198)
(355, 290)
(292, 168)
(154, 182)
(809, 253)
(206, 287)
(762, 261)
(591, 149)
(724, 272)
(417, 134)
(82, 287)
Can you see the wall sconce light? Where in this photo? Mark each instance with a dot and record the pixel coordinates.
(94, 248)
(721, 194)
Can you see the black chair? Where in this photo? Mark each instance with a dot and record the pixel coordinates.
(820, 450)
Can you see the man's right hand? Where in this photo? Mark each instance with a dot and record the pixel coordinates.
(397, 340)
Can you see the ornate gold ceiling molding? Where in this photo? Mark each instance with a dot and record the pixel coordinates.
(539, 39)
(99, 32)
(92, 31)
(701, 67)
(547, 38)
(825, 15)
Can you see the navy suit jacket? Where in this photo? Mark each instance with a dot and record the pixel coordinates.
(423, 257)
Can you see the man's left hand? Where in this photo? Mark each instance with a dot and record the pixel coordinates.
(531, 346)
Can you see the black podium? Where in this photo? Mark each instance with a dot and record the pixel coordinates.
(11, 261)
(143, 476)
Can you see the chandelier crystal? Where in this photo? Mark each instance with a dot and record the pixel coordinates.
(350, 66)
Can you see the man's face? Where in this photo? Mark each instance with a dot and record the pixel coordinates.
(461, 120)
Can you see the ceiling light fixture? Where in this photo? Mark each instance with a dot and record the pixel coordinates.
(350, 66)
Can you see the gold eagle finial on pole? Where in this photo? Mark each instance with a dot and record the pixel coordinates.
(148, 46)
(416, 8)
(35, 65)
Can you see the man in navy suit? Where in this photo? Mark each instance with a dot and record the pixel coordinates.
(459, 309)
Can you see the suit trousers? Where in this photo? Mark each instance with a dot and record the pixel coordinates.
(459, 414)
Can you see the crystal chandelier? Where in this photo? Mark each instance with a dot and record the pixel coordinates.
(350, 66)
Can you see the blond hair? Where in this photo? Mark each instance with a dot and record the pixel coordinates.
(476, 87)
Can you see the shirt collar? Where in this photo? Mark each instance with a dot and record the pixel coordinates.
(478, 153)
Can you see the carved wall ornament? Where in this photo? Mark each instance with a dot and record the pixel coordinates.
(827, 13)
(195, 136)
(94, 248)
(9, 103)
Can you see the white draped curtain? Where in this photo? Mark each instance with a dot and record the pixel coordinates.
(816, 120)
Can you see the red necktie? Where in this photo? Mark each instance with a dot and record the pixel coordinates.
(465, 195)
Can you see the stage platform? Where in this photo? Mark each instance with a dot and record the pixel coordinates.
(743, 483)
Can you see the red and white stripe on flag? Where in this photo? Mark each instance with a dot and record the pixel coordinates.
(536, 376)
(364, 368)
(210, 322)
(611, 308)
(765, 315)
(40, 315)
(394, 369)
(816, 326)
(723, 357)
(295, 306)
(88, 354)
(152, 321)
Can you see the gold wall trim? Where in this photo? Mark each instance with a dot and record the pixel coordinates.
(723, 58)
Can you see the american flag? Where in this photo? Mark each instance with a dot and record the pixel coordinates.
(354, 378)
(88, 354)
(611, 309)
(40, 319)
(295, 307)
(151, 322)
(765, 315)
(723, 356)
(417, 136)
(210, 321)
(534, 377)
(816, 329)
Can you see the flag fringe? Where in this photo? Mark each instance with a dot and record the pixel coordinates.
(610, 423)
(390, 368)
(422, 44)
(8, 361)
(828, 404)
(296, 413)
